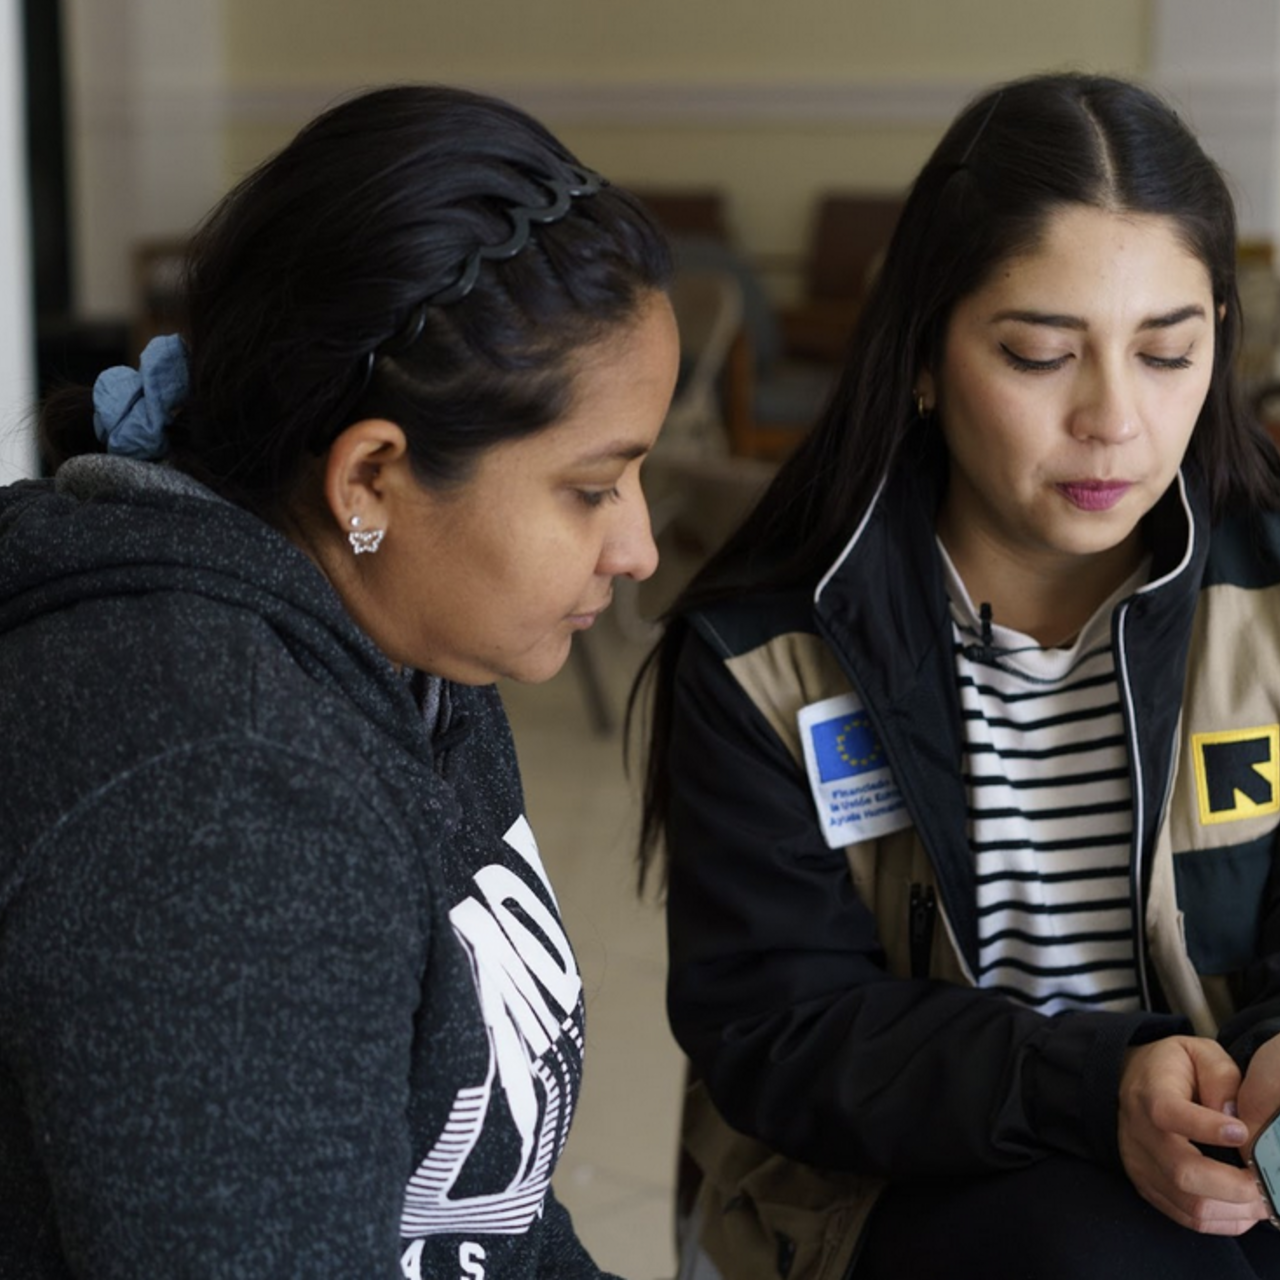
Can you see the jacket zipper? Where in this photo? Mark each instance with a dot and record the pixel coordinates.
(922, 913)
(1138, 909)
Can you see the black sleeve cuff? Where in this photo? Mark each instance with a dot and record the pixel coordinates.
(1073, 1083)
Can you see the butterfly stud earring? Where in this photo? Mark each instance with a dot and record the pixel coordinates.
(364, 540)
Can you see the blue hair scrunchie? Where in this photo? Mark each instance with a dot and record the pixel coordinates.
(132, 407)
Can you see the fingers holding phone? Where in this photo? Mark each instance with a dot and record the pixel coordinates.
(1259, 1093)
(1264, 1161)
(1258, 1106)
(1174, 1094)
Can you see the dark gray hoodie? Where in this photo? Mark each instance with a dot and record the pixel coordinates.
(283, 987)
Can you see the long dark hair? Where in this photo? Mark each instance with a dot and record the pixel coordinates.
(1011, 159)
(304, 290)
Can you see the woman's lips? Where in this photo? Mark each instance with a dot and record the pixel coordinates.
(583, 620)
(1094, 495)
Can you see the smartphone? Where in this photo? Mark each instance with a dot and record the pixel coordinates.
(1264, 1160)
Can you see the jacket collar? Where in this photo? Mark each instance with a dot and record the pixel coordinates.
(883, 608)
(886, 591)
(884, 598)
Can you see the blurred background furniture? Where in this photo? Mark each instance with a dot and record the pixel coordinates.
(698, 490)
(157, 289)
(848, 236)
(1259, 359)
(699, 487)
(688, 211)
(785, 359)
(708, 311)
(769, 398)
(1260, 311)
(708, 308)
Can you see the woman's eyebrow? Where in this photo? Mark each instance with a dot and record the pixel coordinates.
(620, 452)
(1052, 320)
(1049, 319)
(1170, 318)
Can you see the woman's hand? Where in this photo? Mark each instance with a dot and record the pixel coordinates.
(1259, 1095)
(1175, 1093)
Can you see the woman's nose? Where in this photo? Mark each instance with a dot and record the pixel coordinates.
(630, 551)
(1107, 411)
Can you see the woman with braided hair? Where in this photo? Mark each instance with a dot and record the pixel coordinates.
(283, 985)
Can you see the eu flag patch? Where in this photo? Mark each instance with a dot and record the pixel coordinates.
(845, 747)
(855, 797)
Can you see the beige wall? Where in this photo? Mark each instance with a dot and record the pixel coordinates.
(599, 40)
(772, 102)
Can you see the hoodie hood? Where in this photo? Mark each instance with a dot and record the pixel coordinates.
(108, 527)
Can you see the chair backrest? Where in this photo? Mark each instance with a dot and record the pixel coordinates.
(850, 233)
(708, 309)
(1259, 285)
(687, 211)
(759, 317)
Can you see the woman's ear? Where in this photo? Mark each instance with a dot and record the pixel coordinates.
(360, 473)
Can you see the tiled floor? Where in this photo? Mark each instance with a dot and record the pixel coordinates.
(616, 1175)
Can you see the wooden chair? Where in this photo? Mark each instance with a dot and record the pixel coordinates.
(1259, 357)
(769, 399)
(849, 235)
(698, 491)
(692, 211)
(708, 310)
(1259, 286)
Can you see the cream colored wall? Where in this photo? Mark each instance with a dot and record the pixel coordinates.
(771, 102)
(269, 41)
(147, 139)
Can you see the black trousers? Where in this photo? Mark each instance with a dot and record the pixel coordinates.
(1060, 1219)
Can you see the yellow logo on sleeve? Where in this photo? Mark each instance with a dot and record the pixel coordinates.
(1237, 773)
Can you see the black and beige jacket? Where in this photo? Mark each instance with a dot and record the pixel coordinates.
(824, 989)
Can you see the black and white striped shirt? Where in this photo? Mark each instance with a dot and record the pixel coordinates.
(1050, 810)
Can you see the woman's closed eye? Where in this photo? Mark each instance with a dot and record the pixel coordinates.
(1026, 364)
(597, 497)
(1168, 362)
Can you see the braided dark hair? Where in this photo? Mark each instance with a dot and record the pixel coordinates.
(305, 289)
